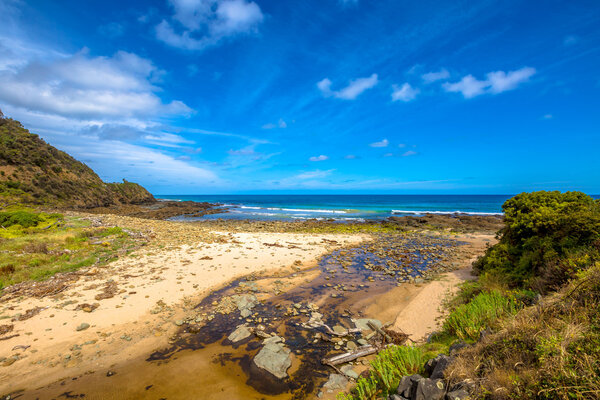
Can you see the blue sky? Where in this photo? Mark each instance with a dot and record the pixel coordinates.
(273, 96)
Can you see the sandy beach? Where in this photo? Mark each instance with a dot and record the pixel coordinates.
(108, 316)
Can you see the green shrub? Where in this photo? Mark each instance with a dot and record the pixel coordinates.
(25, 219)
(543, 230)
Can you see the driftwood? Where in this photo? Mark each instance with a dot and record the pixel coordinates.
(9, 337)
(378, 330)
(350, 356)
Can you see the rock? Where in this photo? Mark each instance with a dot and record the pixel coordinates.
(351, 346)
(335, 382)
(245, 303)
(239, 334)
(362, 323)
(396, 397)
(457, 395)
(456, 347)
(179, 322)
(442, 363)
(110, 373)
(428, 389)
(406, 384)
(349, 372)
(83, 326)
(274, 357)
(340, 329)
(362, 342)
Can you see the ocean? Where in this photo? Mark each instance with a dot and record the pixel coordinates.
(345, 207)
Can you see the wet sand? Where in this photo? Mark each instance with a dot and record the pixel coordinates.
(161, 334)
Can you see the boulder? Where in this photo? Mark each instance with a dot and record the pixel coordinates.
(435, 367)
(428, 389)
(239, 334)
(406, 385)
(274, 357)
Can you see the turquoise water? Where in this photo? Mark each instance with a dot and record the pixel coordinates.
(345, 207)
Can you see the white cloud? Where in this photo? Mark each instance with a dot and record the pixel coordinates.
(501, 81)
(319, 158)
(402, 145)
(81, 86)
(280, 124)
(388, 155)
(435, 76)
(548, 116)
(404, 93)
(468, 86)
(352, 91)
(350, 157)
(204, 23)
(316, 174)
(383, 143)
(409, 153)
(496, 82)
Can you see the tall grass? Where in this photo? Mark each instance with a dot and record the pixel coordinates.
(468, 320)
(388, 367)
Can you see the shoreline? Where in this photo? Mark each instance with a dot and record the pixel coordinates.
(134, 328)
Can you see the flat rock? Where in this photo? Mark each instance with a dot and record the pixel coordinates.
(239, 334)
(336, 382)
(274, 357)
(363, 326)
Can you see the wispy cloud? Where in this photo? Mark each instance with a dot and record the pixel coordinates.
(548, 116)
(435, 76)
(316, 174)
(352, 91)
(496, 82)
(280, 124)
(383, 143)
(404, 93)
(319, 158)
(409, 153)
(350, 157)
(198, 24)
(570, 40)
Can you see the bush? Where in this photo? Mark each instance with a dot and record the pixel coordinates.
(545, 236)
(24, 218)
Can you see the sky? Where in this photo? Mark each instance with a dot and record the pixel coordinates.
(327, 96)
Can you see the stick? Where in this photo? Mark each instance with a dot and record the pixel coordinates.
(378, 330)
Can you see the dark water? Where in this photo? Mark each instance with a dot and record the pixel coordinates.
(346, 207)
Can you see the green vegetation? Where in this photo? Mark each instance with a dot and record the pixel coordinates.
(548, 237)
(550, 350)
(36, 246)
(468, 320)
(388, 367)
(33, 172)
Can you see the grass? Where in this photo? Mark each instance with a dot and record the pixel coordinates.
(47, 244)
(547, 351)
(387, 368)
(468, 320)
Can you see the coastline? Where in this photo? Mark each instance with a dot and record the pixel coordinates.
(155, 288)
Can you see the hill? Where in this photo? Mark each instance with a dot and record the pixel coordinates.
(34, 172)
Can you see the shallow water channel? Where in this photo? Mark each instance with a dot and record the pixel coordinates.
(202, 363)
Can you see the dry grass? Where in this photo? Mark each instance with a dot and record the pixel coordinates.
(547, 351)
